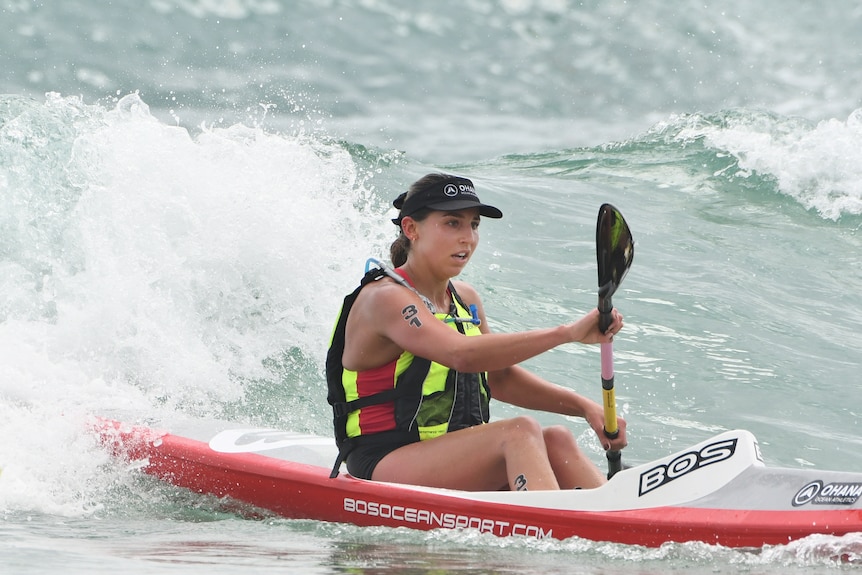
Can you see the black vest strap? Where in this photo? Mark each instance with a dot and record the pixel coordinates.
(334, 371)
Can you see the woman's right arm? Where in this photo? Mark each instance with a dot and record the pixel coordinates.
(393, 318)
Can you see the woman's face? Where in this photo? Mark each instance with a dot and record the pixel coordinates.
(445, 240)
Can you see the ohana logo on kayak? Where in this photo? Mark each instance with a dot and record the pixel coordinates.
(686, 463)
(816, 493)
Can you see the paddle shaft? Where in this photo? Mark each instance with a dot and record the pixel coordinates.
(608, 396)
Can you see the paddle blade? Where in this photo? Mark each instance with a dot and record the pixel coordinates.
(615, 249)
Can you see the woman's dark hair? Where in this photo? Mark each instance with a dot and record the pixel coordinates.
(401, 246)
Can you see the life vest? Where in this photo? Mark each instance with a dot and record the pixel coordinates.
(426, 399)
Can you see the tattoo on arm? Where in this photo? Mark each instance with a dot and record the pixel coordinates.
(410, 314)
(521, 483)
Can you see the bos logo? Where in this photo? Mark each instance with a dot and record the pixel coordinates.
(816, 493)
(685, 464)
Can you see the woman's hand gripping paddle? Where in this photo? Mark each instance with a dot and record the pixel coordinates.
(615, 251)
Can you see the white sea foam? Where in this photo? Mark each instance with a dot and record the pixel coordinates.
(820, 166)
(158, 270)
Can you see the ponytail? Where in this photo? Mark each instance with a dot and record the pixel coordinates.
(398, 250)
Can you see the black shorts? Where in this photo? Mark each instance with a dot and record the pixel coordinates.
(369, 450)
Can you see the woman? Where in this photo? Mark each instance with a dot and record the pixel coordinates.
(410, 392)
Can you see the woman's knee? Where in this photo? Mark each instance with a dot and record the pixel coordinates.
(559, 437)
(524, 427)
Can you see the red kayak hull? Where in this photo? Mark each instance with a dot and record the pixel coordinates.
(302, 491)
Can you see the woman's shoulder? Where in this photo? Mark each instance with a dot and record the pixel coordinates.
(383, 285)
(465, 290)
(382, 290)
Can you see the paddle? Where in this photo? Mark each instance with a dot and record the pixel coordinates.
(615, 250)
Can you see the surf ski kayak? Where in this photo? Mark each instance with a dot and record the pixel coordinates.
(718, 491)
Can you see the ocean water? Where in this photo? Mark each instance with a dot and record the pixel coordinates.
(188, 188)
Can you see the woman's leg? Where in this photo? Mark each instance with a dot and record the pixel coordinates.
(481, 458)
(571, 466)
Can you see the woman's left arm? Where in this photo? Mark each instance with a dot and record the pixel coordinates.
(520, 387)
(523, 388)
